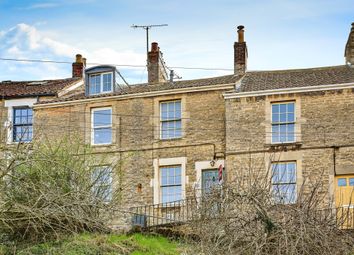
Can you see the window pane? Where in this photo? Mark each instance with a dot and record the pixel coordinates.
(291, 107)
(102, 117)
(107, 82)
(178, 129)
(170, 119)
(290, 133)
(351, 181)
(170, 182)
(275, 108)
(171, 193)
(291, 171)
(275, 134)
(290, 117)
(95, 84)
(102, 136)
(282, 117)
(275, 117)
(282, 108)
(22, 116)
(22, 124)
(170, 110)
(342, 182)
(164, 115)
(284, 114)
(275, 173)
(284, 194)
(282, 133)
(102, 183)
(284, 182)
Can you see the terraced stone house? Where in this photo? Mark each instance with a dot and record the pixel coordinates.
(296, 125)
(169, 136)
(175, 139)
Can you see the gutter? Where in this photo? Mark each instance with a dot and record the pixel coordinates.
(288, 90)
(138, 95)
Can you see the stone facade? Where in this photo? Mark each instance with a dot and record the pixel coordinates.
(324, 145)
(136, 139)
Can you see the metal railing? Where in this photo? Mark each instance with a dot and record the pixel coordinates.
(164, 213)
(182, 211)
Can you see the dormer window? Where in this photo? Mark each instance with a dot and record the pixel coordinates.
(100, 83)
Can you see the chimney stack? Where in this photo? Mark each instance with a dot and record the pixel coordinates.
(78, 68)
(349, 48)
(156, 65)
(240, 53)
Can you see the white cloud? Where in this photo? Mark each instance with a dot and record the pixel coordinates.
(24, 41)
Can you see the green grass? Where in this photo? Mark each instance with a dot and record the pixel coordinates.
(99, 244)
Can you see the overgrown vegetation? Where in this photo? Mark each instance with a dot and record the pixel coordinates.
(53, 188)
(87, 244)
(246, 217)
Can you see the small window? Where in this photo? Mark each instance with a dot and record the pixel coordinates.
(101, 126)
(22, 124)
(283, 122)
(171, 119)
(342, 182)
(100, 83)
(102, 183)
(284, 182)
(351, 181)
(170, 183)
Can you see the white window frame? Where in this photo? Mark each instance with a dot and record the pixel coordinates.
(15, 103)
(164, 121)
(286, 183)
(101, 83)
(285, 123)
(110, 184)
(93, 110)
(169, 185)
(164, 162)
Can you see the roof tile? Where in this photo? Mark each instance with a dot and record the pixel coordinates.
(33, 88)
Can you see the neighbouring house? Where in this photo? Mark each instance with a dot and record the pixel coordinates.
(299, 125)
(18, 97)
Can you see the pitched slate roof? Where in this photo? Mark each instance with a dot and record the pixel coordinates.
(270, 80)
(34, 88)
(144, 87)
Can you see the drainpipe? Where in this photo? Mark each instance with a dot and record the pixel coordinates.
(334, 159)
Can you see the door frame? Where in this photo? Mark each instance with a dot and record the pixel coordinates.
(204, 165)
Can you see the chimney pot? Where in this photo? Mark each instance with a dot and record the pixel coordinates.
(78, 58)
(78, 67)
(241, 32)
(155, 47)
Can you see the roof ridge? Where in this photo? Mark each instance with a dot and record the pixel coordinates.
(189, 80)
(28, 81)
(296, 70)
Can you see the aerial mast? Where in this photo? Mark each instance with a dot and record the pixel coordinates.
(147, 28)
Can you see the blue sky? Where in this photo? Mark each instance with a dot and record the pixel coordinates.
(280, 34)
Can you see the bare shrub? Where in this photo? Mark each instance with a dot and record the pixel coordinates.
(246, 217)
(51, 188)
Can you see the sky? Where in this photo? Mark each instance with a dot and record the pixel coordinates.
(280, 34)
